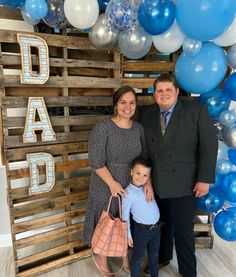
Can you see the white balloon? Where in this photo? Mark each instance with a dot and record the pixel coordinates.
(170, 41)
(81, 14)
(228, 37)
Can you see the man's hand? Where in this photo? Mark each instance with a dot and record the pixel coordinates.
(148, 190)
(201, 189)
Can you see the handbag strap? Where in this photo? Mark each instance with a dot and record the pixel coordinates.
(119, 205)
(106, 273)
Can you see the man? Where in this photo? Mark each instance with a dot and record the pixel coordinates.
(182, 146)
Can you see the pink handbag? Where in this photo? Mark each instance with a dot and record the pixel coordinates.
(110, 235)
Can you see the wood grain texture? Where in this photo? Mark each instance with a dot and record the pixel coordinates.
(217, 262)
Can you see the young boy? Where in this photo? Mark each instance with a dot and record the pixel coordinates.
(146, 226)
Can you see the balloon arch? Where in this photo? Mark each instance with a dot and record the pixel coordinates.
(206, 31)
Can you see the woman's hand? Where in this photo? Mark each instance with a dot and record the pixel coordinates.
(130, 242)
(116, 189)
(148, 190)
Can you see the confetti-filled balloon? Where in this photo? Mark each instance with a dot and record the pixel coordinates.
(122, 14)
(55, 17)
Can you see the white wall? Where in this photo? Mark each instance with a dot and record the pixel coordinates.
(5, 230)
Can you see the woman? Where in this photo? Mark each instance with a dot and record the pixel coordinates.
(113, 144)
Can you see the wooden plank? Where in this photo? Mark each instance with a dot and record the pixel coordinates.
(54, 264)
(138, 82)
(8, 13)
(17, 141)
(204, 242)
(47, 253)
(148, 66)
(62, 101)
(9, 59)
(55, 149)
(50, 235)
(11, 122)
(70, 101)
(45, 221)
(204, 227)
(70, 82)
(59, 167)
(9, 36)
(22, 193)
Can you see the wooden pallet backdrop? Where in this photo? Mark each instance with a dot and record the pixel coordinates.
(46, 228)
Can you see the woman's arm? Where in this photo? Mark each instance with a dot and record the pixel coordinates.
(115, 187)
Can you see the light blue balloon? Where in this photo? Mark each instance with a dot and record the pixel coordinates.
(37, 9)
(223, 167)
(230, 86)
(156, 16)
(222, 150)
(135, 43)
(217, 101)
(231, 56)
(27, 18)
(191, 46)
(227, 118)
(202, 72)
(225, 225)
(204, 19)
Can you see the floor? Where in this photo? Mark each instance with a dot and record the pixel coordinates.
(217, 262)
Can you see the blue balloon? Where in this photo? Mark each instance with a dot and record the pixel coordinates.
(12, 3)
(122, 14)
(228, 186)
(27, 18)
(227, 118)
(232, 156)
(225, 225)
(37, 9)
(156, 16)
(204, 19)
(103, 4)
(55, 17)
(202, 72)
(230, 86)
(217, 101)
(223, 167)
(211, 202)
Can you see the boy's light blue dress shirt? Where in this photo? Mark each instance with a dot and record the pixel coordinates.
(135, 203)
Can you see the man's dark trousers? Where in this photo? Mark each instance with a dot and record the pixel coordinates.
(178, 216)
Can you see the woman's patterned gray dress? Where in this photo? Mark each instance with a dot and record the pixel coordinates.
(114, 147)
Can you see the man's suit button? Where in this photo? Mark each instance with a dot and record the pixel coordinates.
(170, 156)
(173, 140)
(173, 170)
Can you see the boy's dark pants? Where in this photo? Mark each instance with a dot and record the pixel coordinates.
(145, 237)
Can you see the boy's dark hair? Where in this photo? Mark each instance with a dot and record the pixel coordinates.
(142, 161)
(165, 77)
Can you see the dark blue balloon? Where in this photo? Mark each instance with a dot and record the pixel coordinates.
(103, 4)
(156, 16)
(228, 186)
(12, 3)
(211, 202)
(225, 225)
(230, 86)
(217, 101)
(232, 156)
